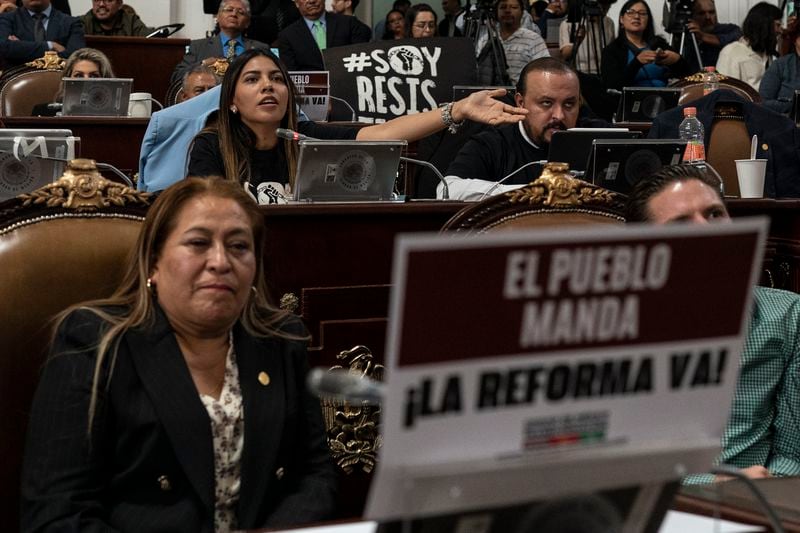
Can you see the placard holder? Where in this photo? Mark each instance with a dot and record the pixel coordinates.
(459, 487)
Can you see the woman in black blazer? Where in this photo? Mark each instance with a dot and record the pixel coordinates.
(638, 57)
(179, 404)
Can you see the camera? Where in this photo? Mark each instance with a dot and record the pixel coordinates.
(678, 13)
(579, 9)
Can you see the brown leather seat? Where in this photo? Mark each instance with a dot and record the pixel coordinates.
(692, 88)
(554, 199)
(60, 245)
(22, 87)
(728, 141)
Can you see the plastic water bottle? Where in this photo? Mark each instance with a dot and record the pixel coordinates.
(710, 80)
(692, 131)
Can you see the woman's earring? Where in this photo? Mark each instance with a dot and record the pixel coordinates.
(233, 109)
(255, 291)
(149, 284)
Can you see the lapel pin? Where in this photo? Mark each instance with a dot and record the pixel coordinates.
(263, 378)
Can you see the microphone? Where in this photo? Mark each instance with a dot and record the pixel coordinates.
(100, 166)
(432, 168)
(343, 385)
(496, 185)
(291, 135)
(342, 100)
(165, 31)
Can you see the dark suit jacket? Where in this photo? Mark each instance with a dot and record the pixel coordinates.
(200, 49)
(778, 138)
(299, 50)
(61, 28)
(150, 463)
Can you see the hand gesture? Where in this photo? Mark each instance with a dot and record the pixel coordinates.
(667, 57)
(482, 107)
(647, 56)
(5, 7)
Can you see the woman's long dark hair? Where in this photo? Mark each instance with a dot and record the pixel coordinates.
(759, 28)
(235, 138)
(649, 33)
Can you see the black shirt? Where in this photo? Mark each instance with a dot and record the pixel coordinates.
(495, 153)
(205, 157)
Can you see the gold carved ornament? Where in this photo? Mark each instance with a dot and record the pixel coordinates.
(82, 188)
(49, 61)
(556, 187)
(353, 428)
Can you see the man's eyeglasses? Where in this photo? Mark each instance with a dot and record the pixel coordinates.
(230, 9)
(425, 25)
(633, 13)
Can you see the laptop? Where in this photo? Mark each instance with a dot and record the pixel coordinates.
(574, 146)
(619, 164)
(96, 97)
(30, 159)
(347, 171)
(643, 104)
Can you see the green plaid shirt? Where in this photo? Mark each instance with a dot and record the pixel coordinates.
(764, 424)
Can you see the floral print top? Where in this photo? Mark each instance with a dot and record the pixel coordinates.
(227, 429)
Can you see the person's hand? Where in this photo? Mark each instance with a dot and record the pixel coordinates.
(13, 38)
(753, 472)
(207, 62)
(482, 107)
(667, 57)
(693, 27)
(647, 56)
(58, 47)
(5, 7)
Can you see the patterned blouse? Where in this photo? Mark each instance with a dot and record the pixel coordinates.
(227, 429)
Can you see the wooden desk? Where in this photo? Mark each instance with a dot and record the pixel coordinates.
(107, 140)
(149, 62)
(337, 260)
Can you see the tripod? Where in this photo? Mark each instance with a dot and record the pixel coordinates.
(594, 31)
(478, 23)
(683, 45)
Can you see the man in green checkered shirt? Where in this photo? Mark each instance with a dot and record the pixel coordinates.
(762, 436)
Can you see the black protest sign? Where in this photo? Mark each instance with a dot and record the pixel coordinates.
(387, 79)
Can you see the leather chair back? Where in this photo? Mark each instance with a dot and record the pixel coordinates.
(692, 88)
(554, 199)
(727, 142)
(24, 89)
(60, 245)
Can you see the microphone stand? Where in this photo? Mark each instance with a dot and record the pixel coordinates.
(496, 185)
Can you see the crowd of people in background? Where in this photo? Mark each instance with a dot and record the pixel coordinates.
(635, 53)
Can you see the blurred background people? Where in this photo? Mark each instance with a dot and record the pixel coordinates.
(593, 35)
(452, 10)
(112, 17)
(233, 18)
(380, 26)
(348, 7)
(556, 9)
(638, 57)
(83, 63)
(711, 36)
(421, 21)
(395, 25)
(521, 45)
(36, 27)
(782, 77)
(196, 81)
(748, 58)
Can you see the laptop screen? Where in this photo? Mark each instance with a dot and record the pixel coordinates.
(30, 159)
(347, 171)
(97, 97)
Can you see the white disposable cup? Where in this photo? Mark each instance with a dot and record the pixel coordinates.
(140, 105)
(751, 174)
